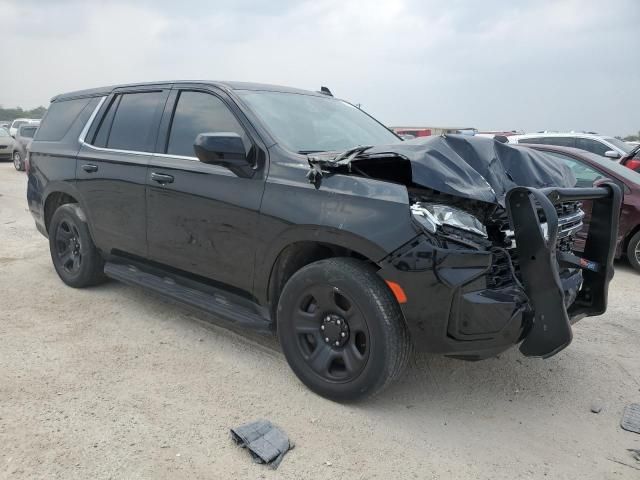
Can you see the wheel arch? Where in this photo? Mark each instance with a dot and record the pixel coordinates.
(58, 194)
(301, 246)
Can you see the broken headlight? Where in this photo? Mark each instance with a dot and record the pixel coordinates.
(431, 216)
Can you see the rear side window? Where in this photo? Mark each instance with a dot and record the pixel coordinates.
(199, 112)
(561, 141)
(532, 140)
(130, 122)
(592, 146)
(59, 119)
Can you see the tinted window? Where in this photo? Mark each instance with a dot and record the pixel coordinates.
(592, 146)
(134, 123)
(28, 132)
(561, 141)
(17, 123)
(102, 133)
(59, 119)
(198, 112)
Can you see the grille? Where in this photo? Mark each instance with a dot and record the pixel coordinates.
(570, 218)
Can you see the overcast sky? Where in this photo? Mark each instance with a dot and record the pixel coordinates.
(490, 64)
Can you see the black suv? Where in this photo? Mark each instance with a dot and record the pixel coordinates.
(292, 211)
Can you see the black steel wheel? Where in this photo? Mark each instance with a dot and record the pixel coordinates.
(75, 257)
(341, 329)
(17, 161)
(67, 246)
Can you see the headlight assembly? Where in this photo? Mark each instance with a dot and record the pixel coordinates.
(431, 216)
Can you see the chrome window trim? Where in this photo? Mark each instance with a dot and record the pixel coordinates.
(87, 126)
(180, 157)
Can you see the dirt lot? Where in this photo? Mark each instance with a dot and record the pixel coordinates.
(112, 382)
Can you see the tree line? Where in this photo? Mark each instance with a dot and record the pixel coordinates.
(8, 114)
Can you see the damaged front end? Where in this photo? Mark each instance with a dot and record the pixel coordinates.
(494, 263)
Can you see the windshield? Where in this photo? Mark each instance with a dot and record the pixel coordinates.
(624, 146)
(308, 123)
(17, 123)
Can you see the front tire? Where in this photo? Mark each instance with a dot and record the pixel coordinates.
(633, 251)
(342, 330)
(17, 161)
(74, 255)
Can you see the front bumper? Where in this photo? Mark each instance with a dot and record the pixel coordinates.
(453, 309)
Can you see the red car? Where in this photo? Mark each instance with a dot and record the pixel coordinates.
(588, 169)
(632, 159)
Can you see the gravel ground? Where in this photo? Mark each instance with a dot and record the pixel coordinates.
(113, 382)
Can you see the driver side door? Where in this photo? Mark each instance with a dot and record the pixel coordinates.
(201, 218)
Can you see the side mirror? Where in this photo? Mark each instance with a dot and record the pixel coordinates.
(611, 154)
(224, 148)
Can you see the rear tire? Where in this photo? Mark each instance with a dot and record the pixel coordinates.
(633, 251)
(17, 161)
(342, 330)
(74, 255)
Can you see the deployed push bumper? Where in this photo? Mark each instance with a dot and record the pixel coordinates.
(454, 307)
(551, 331)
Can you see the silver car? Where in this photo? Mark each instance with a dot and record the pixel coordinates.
(22, 141)
(6, 144)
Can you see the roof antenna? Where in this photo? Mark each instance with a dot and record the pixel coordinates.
(326, 91)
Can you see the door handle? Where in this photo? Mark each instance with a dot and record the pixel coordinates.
(90, 168)
(161, 178)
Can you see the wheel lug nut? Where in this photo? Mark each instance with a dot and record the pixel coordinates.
(328, 318)
(337, 343)
(343, 334)
(322, 327)
(338, 322)
(326, 339)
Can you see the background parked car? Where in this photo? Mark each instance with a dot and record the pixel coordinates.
(589, 169)
(632, 160)
(21, 144)
(13, 129)
(6, 144)
(5, 125)
(601, 145)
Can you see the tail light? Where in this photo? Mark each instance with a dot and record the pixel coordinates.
(633, 164)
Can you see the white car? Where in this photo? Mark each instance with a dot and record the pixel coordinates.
(602, 145)
(15, 125)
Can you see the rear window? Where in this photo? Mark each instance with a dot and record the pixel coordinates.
(28, 132)
(59, 119)
(134, 123)
(17, 123)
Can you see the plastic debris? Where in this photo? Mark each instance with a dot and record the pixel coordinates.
(631, 418)
(266, 442)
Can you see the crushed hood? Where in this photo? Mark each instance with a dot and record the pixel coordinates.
(471, 167)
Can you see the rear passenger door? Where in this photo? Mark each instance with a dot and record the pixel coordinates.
(112, 166)
(202, 217)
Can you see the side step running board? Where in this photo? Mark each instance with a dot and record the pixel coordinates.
(214, 301)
